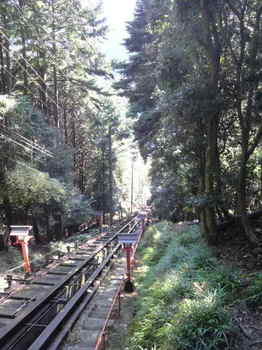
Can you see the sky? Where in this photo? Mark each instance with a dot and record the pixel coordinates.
(117, 13)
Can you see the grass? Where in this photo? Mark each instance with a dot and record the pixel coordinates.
(10, 259)
(184, 293)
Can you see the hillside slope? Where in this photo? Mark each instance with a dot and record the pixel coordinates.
(187, 298)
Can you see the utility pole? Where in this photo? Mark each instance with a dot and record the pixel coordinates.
(54, 49)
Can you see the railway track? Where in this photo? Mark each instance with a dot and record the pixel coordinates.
(39, 315)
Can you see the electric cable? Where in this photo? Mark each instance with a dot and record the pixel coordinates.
(26, 140)
(30, 146)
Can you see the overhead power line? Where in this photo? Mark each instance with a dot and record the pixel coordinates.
(28, 141)
(23, 142)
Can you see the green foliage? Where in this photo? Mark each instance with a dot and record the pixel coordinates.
(155, 244)
(60, 166)
(59, 127)
(77, 208)
(253, 294)
(9, 260)
(27, 187)
(106, 131)
(200, 324)
(184, 293)
(193, 81)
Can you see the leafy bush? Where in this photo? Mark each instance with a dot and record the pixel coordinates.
(186, 239)
(27, 187)
(199, 324)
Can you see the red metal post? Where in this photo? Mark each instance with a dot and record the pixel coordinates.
(143, 225)
(128, 262)
(119, 304)
(129, 287)
(25, 253)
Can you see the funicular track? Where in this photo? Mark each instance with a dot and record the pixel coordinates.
(37, 316)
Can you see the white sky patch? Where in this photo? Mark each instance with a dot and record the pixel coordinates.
(117, 13)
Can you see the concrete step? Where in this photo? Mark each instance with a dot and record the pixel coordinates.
(80, 346)
(103, 303)
(111, 286)
(106, 293)
(100, 311)
(88, 337)
(92, 321)
(92, 324)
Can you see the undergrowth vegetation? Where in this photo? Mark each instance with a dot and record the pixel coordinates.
(185, 294)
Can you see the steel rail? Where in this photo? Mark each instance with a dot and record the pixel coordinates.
(54, 326)
(52, 330)
(101, 336)
(36, 306)
(73, 318)
(103, 330)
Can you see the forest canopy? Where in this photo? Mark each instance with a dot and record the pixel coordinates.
(57, 117)
(194, 82)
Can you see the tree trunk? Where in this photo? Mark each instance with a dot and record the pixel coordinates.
(58, 227)
(212, 48)
(210, 172)
(4, 239)
(65, 125)
(242, 201)
(24, 64)
(73, 142)
(42, 88)
(8, 211)
(24, 56)
(35, 228)
(48, 230)
(81, 175)
(55, 102)
(202, 161)
(3, 88)
(8, 66)
(260, 185)
(8, 222)
(110, 176)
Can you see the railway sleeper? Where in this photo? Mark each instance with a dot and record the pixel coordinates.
(79, 286)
